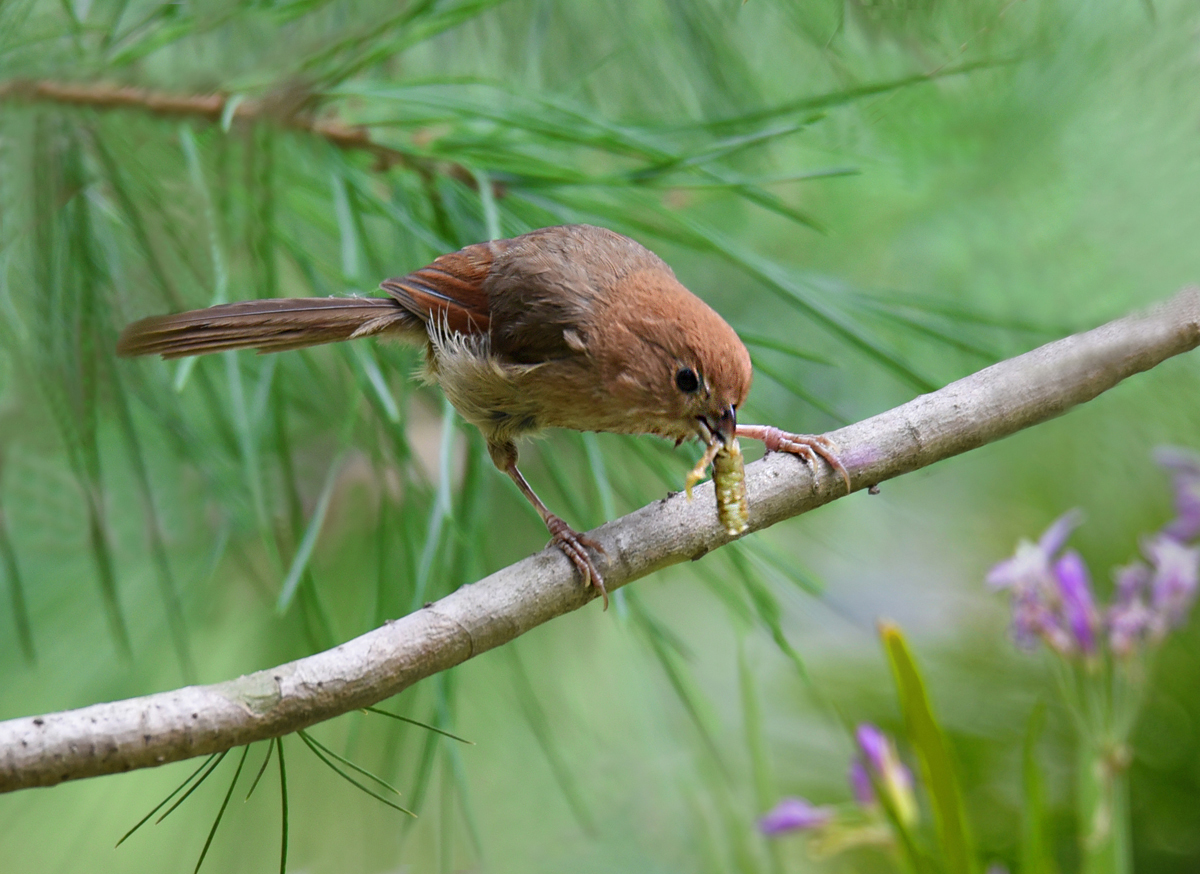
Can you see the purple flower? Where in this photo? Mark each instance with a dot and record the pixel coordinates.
(1024, 569)
(1186, 524)
(1128, 625)
(860, 782)
(1129, 620)
(1184, 467)
(875, 746)
(1034, 620)
(880, 764)
(1152, 599)
(1181, 462)
(1173, 586)
(1051, 596)
(1030, 566)
(1132, 580)
(1055, 537)
(793, 814)
(1078, 606)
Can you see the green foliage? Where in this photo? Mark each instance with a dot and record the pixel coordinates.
(881, 196)
(1035, 850)
(956, 850)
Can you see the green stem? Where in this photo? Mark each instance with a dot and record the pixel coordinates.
(1104, 808)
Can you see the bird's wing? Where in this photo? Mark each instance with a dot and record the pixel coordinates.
(504, 289)
(537, 297)
(450, 292)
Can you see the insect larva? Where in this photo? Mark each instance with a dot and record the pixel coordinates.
(729, 476)
(729, 479)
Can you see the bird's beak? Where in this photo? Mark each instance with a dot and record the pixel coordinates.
(723, 427)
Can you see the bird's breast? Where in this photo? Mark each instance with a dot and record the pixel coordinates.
(507, 400)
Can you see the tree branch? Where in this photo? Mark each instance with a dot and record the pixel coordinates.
(284, 109)
(197, 720)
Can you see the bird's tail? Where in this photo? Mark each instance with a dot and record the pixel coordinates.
(268, 326)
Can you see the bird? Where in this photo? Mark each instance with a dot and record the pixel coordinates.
(571, 326)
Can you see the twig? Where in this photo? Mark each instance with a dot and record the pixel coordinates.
(285, 110)
(198, 720)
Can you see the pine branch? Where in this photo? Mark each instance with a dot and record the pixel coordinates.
(199, 720)
(285, 109)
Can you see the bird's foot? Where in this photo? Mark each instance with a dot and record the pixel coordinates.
(573, 544)
(809, 447)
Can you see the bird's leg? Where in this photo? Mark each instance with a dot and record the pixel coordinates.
(808, 446)
(570, 541)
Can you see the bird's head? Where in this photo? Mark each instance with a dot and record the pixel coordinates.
(678, 365)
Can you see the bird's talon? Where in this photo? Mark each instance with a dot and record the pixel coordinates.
(590, 543)
(572, 544)
(808, 447)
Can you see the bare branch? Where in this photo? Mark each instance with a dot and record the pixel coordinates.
(197, 720)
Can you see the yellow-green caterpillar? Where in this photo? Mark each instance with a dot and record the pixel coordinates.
(729, 479)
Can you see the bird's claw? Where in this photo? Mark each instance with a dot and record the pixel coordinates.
(807, 446)
(573, 544)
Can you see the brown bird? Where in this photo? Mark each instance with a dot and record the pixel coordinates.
(565, 327)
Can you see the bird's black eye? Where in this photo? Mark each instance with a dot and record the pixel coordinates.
(686, 380)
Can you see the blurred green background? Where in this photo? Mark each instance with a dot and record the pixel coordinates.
(881, 196)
